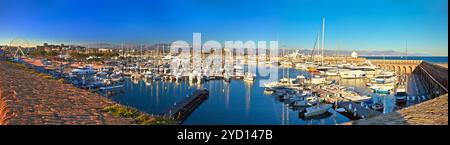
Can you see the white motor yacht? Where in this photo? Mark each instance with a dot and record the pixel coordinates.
(83, 70)
(317, 110)
(352, 74)
(332, 72)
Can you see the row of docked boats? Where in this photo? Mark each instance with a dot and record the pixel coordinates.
(345, 71)
(296, 92)
(103, 79)
(384, 83)
(180, 68)
(380, 81)
(310, 93)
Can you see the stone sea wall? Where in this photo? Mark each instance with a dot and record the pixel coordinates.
(431, 112)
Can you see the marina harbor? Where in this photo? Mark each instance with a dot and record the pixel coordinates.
(308, 89)
(231, 71)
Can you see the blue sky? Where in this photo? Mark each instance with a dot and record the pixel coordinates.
(350, 24)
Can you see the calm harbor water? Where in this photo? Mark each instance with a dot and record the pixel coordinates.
(237, 102)
(433, 59)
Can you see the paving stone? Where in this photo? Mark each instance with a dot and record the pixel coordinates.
(32, 100)
(431, 112)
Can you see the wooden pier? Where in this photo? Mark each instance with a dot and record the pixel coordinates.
(357, 110)
(181, 110)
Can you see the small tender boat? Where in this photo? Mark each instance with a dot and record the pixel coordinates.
(199, 78)
(249, 76)
(301, 66)
(136, 76)
(238, 75)
(178, 77)
(316, 110)
(332, 72)
(312, 69)
(340, 110)
(167, 57)
(377, 106)
(356, 98)
(227, 77)
(156, 77)
(318, 80)
(83, 70)
(312, 100)
(284, 97)
(382, 88)
(353, 74)
(401, 95)
(299, 101)
(191, 77)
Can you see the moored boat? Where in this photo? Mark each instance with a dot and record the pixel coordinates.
(352, 74)
(316, 110)
(249, 76)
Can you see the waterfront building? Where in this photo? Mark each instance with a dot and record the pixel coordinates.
(354, 54)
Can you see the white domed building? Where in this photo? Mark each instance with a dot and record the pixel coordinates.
(354, 54)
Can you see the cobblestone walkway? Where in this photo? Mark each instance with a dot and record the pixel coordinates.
(27, 99)
(431, 112)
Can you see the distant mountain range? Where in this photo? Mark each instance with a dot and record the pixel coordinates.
(303, 51)
(99, 45)
(389, 53)
(364, 53)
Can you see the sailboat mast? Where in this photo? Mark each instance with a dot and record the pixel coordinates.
(316, 46)
(287, 69)
(121, 48)
(339, 50)
(323, 37)
(384, 60)
(406, 53)
(282, 56)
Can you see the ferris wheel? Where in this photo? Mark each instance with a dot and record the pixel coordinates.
(17, 46)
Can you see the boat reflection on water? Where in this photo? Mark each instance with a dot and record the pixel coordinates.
(248, 96)
(316, 117)
(226, 92)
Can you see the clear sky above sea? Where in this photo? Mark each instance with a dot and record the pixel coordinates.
(350, 24)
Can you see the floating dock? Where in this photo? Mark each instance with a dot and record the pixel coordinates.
(357, 110)
(181, 110)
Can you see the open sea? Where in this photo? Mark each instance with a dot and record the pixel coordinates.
(433, 59)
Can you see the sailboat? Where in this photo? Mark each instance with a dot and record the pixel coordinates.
(312, 68)
(320, 37)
